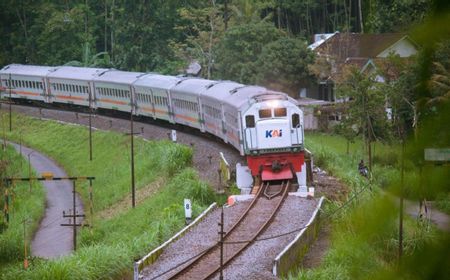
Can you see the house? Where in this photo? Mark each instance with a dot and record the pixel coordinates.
(364, 51)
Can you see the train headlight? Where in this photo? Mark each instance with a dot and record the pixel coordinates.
(273, 103)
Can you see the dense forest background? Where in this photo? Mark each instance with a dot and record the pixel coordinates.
(231, 39)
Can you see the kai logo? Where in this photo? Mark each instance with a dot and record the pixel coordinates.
(274, 133)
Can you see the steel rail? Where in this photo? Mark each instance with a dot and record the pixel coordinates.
(215, 246)
(244, 245)
(262, 228)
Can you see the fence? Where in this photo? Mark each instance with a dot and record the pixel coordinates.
(294, 252)
(153, 255)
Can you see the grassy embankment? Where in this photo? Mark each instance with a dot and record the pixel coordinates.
(119, 234)
(364, 239)
(24, 205)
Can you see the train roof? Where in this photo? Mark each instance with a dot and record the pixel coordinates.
(243, 95)
(28, 70)
(220, 90)
(157, 81)
(76, 73)
(118, 77)
(195, 86)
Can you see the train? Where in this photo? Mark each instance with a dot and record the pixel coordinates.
(265, 126)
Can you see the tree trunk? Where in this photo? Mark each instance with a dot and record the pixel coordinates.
(360, 17)
(106, 27)
(112, 30)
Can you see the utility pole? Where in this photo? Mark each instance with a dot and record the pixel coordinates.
(25, 255)
(29, 167)
(10, 101)
(221, 233)
(90, 124)
(48, 176)
(400, 230)
(133, 198)
(6, 209)
(74, 225)
(132, 133)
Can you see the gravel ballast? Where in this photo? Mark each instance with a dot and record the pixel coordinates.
(257, 260)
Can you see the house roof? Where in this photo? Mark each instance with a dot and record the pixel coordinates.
(345, 45)
(360, 50)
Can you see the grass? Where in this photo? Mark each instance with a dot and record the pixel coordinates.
(364, 239)
(24, 205)
(108, 249)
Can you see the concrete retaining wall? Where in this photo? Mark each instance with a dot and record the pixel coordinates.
(295, 251)
(153, 255)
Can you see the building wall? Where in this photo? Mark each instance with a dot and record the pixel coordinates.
(403, 48)
(323, 91)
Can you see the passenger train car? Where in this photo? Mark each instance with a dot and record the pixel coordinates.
(266, 126)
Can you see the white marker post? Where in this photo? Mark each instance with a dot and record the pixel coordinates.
(188, 210)
(174, 135)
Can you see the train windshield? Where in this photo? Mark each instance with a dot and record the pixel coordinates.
(280, 112)
(265, 113)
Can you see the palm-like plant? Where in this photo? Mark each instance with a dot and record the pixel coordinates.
(439, 85)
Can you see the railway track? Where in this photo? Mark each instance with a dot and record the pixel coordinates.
(240, 236)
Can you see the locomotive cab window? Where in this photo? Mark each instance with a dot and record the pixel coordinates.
(295, 120)
(265, 113)
(279, 112)
(250, 121)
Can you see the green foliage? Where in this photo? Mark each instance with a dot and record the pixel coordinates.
(193, 188)
(365, 234)
(240, 48)
(108, 248)
(177, 158)
(141, 35)
(283, 64)
(395, 16)
(24, 205)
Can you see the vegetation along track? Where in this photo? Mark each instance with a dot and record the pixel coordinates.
(253, 221)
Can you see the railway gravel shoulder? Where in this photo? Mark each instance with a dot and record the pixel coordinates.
(257, 260)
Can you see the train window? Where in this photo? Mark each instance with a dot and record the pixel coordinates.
(265, 113)
(250, 121)
(295, 120)
(279, 112)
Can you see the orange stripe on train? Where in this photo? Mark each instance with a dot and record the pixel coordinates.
(106, 100)
(70, 97)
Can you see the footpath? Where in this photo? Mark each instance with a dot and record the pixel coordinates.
(51, 239)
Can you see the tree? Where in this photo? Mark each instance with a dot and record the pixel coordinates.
(204, 27)
(283, 65)
(366, 107)
(240, 48)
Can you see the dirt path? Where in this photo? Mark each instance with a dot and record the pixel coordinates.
(438, 218)
(51, 239)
